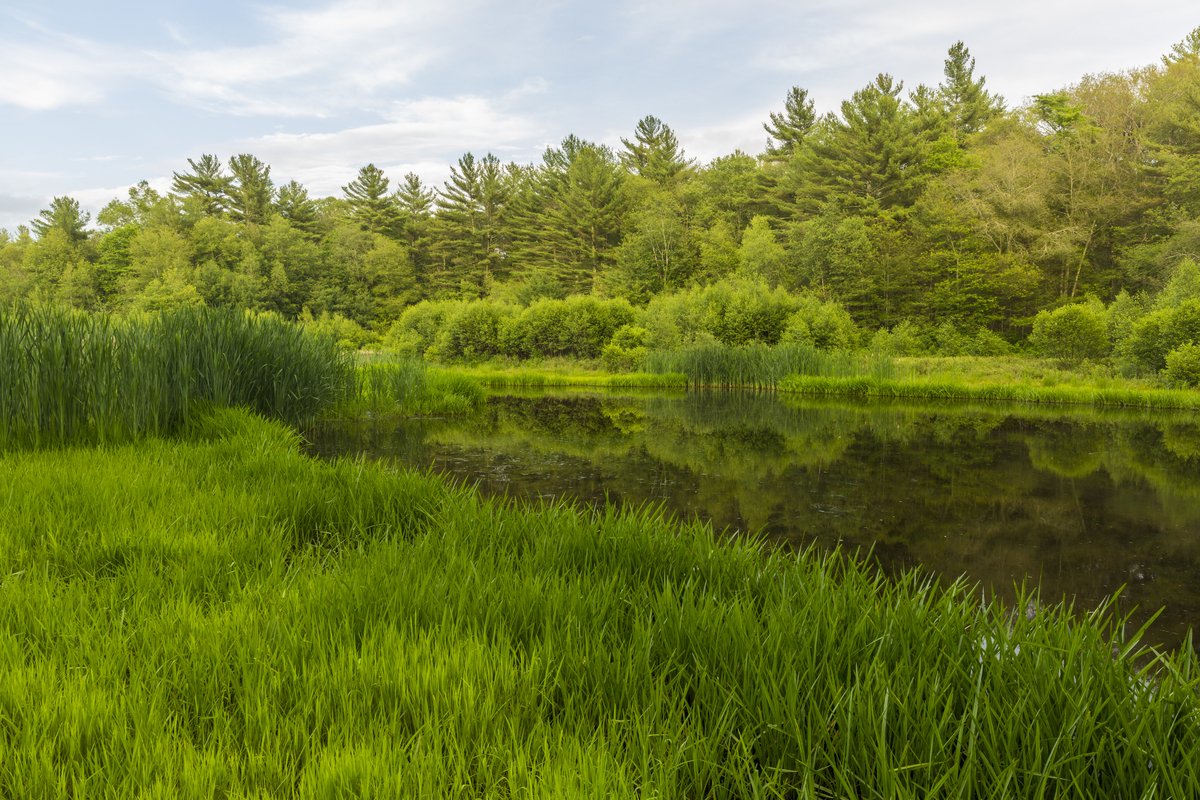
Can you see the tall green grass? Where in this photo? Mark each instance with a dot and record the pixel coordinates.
(947, 389)
(760, 365)
(70, 377)
(409, 386)
(223, 617)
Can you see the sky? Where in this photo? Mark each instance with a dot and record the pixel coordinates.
(95, 97)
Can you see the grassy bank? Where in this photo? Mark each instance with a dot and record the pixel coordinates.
(509, 377)
(933, 388)
(224, 617)
(759, 365)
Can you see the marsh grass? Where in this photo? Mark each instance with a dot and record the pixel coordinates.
(69, 377)
(759, 365)
(1017, 392)
(224, 617)
(408, 387)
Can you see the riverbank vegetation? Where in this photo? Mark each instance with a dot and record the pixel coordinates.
(1065, 228)
(217, 614)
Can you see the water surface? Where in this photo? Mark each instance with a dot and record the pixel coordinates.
(1080, 502)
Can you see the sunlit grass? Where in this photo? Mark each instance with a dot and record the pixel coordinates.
(934, 388)
(759, 365)
(506, 377)
(225, 617)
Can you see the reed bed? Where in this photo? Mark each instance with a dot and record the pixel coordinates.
(69, 377)
(224, 617)
(408, 386)
(943, 389)
(761, 366)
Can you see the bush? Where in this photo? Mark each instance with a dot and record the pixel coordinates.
(419, 325)
(578, 326)
(732, 312)
(904, 339)
(1071, 333)
(1157, 334)
(473, 333)
(1183, 366)
(824, 325)
(343, 330)
(627, 350)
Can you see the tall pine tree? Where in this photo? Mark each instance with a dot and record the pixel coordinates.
(654, 152)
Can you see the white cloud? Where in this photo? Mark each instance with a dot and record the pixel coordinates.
(307, 63)
(704, 143)
(312, 62)
(422, 136)
(47, 71)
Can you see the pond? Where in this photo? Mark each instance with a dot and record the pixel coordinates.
(1079, 502)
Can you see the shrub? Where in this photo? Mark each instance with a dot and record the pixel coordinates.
(825, 325)
(343, 330)
(1071, 333)
(904, 339)
(733, 312)
(578, 326)
(419, 325)
(1183, 366)
(1159, 333)
(627, 350)
(473, 333)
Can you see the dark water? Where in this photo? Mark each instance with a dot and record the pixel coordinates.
(1082, 503)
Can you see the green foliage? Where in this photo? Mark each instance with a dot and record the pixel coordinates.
(788, 129)
(823, 324)
(346, 332)
(1182, 369)
(1162, 331)
(627, 350)
(733, 312)
(1072, 333)
(65, 216)
(654, 153)
(578, 326)
(418, 326)
(761, 256)
(472, 332)
(904, 339)
(1183, 285)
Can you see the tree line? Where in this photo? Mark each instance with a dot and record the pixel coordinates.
(939, 205)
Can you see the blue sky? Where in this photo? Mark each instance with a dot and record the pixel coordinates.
(95, 97)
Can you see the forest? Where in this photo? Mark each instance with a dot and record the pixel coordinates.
(940, 218)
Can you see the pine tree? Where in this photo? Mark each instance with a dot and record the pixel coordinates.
(473, 206)
(251, 190)
(968, 105)
(204, 190)
(370, 204)
(62, 215)
(416, 202)
(869, 159)
(294, 205)
(787, 130)
(568, 217)
(654, 153)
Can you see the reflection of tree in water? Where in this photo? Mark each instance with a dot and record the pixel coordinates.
(1068, 450)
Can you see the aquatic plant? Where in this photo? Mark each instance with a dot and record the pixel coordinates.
(67, 376)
